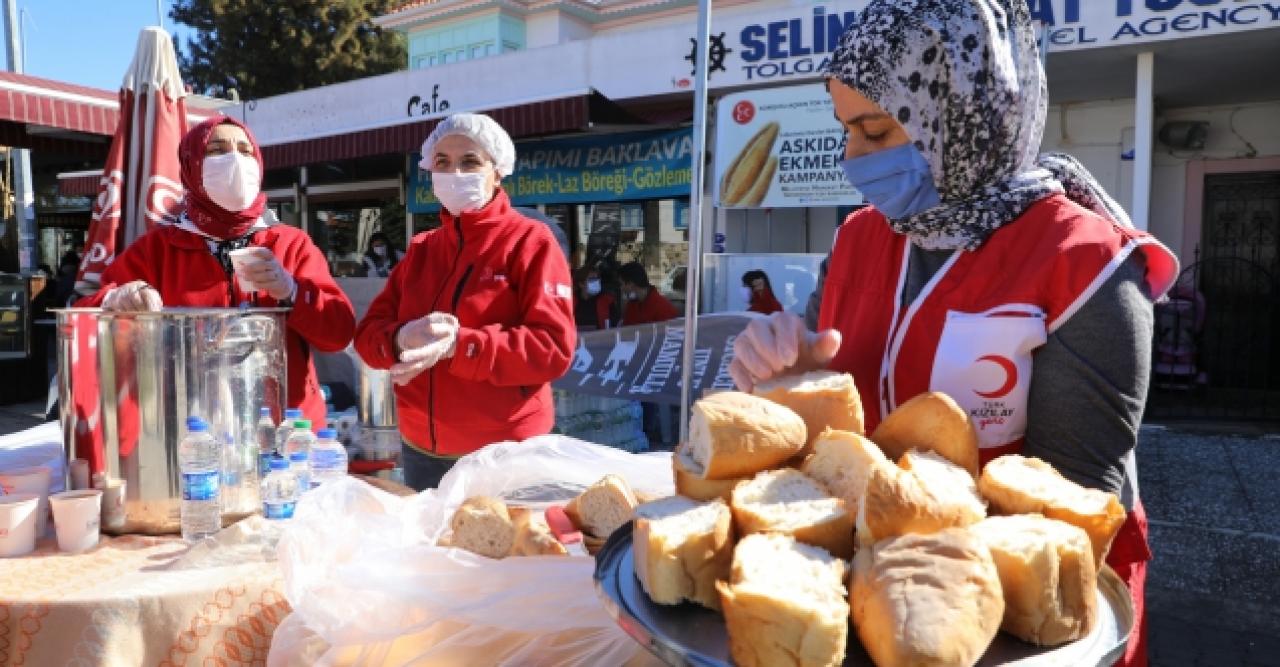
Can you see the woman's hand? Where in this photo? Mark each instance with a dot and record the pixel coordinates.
(263, 270)
(134, 296)
(778, 345)
(423, 343)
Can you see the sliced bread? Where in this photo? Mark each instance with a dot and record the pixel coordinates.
(785, 604)
(823, 399)
(1047, 575)
(788, 501)
(1016, 484)
(533, 537)
(483, 525)
(924, 493)
(931, 421)
(732, 434)
(603, 507)
(842, 462)
(681, 548)
(692, 485)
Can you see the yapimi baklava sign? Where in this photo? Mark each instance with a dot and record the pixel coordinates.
(780, 148)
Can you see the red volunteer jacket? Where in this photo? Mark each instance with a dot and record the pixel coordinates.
(653, 308)
(973, 328)
(178, 264)
(505, 279)
(764, 302)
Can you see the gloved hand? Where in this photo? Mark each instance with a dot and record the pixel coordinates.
(133, 296)
(423, 343)
(779, 345)
(261, 268)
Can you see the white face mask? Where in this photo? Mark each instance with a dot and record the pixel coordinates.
(593, 287)
(460, 193)
(380, 250)
(232, 180)
(746, 293)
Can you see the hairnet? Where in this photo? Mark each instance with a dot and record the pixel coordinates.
(479, 128)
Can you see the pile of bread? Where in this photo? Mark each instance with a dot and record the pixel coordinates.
(790, 522)
(489, 527)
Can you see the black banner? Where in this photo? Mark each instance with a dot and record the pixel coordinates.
(644, 362)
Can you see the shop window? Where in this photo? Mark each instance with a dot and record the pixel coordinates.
(343, 234)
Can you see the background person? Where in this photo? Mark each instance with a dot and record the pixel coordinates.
(381, 256)
(1002, 278)
(644, 304)
(596, 306)
(479, 319)
(757, 291)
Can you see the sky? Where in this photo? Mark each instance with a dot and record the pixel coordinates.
(89, 42)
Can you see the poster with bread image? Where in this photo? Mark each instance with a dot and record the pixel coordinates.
(779, 148)
(818, 544)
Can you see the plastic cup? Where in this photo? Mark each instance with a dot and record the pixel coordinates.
(31, 480)
(113, 515)
(18, 524)
(77, 518)
(241, 258)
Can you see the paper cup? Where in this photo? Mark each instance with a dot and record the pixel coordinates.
(77, 518)
(113, 515)
(239, 259)
(31, 480)
(18, 524)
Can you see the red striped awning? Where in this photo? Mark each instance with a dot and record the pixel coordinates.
(79, 184)
(66, 106)
(526, 120)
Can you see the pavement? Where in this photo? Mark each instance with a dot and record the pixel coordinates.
(1212, 495)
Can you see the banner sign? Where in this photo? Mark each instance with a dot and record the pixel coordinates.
(645, 362)
(584, 170)
(780, 148)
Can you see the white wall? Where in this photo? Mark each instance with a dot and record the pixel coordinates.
(553, 27)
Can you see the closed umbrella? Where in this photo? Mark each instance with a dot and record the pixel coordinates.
(140, 188)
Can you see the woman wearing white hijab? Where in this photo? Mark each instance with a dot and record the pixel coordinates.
(1008, 280)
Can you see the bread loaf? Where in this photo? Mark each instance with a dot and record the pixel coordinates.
(681, 548)
(603, 507)
(533, 537)
(925, 493)
(740, 178)
(483, 526)
(823, 399)
(842, 462)
(926, 599)
(732, 434)
(694, 486)
(1026, 485)
(931, 421)
(788, 501)
(785, 604)
(1047, 577)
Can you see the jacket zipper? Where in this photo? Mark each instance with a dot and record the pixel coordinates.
(431, 374)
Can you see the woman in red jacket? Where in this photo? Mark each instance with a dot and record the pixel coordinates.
(187, 263)
(477, 320)
(1007, 280)
(757, 291)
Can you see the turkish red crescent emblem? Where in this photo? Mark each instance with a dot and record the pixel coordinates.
(1010, 376)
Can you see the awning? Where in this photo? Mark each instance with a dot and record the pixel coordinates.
(569, 114)
(65, 106)
(79, 183)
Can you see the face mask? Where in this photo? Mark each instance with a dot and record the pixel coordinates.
(746, 293)
(897, 181)
(460, 193)
(593, 287)
(380, 250)
(232, 180)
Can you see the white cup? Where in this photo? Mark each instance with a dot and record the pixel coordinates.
(77, 518)
(31, 480)
(113, 515)
(79, 474)
(241, 258)
(18, 524)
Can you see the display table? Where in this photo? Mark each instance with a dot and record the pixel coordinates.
(138, 600)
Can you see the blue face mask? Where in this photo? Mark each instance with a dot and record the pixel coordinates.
(897, 181)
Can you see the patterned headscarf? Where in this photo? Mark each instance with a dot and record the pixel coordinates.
(965, 79)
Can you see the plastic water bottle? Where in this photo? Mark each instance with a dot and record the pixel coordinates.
(286, 429)
(266, 441)
(300, 467)
(328, 458)
(231, 473)
(279, 491)
(301, 440)
(200, 458)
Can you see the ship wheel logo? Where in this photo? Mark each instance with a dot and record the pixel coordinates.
(716, 55)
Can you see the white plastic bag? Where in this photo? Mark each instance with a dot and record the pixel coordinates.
(365, 578)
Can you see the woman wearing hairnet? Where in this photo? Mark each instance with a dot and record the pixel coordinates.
(477, 319)
(1009, 281)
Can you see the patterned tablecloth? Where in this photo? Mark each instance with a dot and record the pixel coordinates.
(137, 600)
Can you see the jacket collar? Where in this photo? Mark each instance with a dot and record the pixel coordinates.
(477, 223)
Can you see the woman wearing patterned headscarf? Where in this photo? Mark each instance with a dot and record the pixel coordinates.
(1009, 281)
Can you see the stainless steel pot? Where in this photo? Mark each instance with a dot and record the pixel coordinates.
(130, 380)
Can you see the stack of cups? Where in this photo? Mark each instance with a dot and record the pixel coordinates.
(18, 524)
(35, 481)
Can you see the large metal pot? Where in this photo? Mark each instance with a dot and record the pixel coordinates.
(130, 380)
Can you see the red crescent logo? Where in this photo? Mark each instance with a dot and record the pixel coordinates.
(1010, 376)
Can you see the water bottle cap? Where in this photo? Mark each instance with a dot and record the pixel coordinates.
(298, 456)
(196, 424)
(278, 463)
(264, 412)
(293, 413)
(302, 423)
(328, 434)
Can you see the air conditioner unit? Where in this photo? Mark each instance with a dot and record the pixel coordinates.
(1185, 134)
